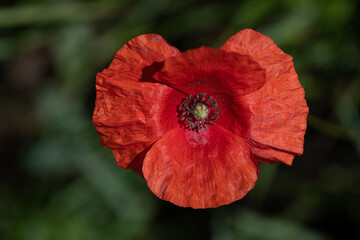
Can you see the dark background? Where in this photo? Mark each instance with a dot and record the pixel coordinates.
(58, 182)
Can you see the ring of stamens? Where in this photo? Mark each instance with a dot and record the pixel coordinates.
(195, 113)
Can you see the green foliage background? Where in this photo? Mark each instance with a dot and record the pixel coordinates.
(58, 182)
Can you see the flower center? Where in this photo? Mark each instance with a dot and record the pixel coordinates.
(195, 113)
(200, 111)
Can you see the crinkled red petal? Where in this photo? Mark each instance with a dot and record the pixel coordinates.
(130, 114)
(278, 109)
(200, 170)
(233, 115)
(211, 71)
(269, 155)
(129, 117)
(140, 52)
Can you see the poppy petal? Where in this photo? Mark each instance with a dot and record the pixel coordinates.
(140, 52)
(269, 155)
(278, 109)
(200, 169)
(211, 71)
(129, 117)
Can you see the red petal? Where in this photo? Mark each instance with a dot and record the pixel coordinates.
(129, 116)
(270, 155)
(140, 52)
(212, 71)
(200, 170)
(278, 109)
(232, 116)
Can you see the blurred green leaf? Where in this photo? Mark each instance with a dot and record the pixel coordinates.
(30, 14)
(248, 224)
(294, 26)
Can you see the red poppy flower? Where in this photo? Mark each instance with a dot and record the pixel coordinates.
(195, 124)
